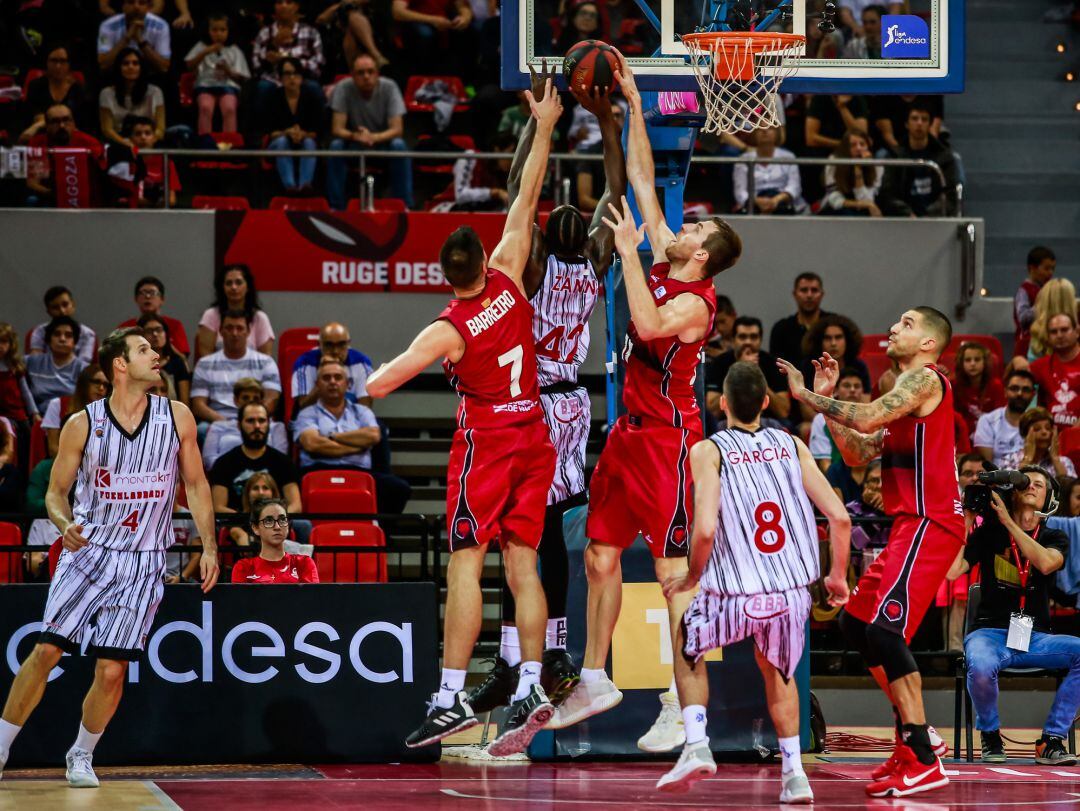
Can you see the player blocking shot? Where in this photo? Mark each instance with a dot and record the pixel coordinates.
(911, 428)
(567, 260)
(754, 551)
(122, 454)
(501, 460)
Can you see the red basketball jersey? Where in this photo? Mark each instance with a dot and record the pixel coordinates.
(660, 373)
(918, 465)
(496, 377)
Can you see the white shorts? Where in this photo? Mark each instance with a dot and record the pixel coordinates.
(777, 622)
(107, 595)
(568, 417)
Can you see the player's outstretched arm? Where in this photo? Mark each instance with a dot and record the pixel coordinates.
(512, 253)
(685, 315)
(437, 340)
(601, 244)
(705, 464)
(65, 468)
(200, 500)
(640, 169)
(829, 504)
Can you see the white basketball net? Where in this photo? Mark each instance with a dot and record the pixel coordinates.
(735, 104)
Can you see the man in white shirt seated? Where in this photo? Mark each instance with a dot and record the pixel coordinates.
(135, 28)
(777, 187)
(224, 435)
(59, 301)
(997, 433)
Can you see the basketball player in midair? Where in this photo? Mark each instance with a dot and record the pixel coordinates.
(122, 453)
(567, 261)
(911, 429)
(754, 551)
(501, 460)
(671, 316)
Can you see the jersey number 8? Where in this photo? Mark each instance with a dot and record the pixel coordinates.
(769, 537)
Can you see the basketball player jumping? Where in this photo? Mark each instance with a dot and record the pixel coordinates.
(501, 461)
(567, 260)
(122, 454)
(671, 316)
(754, 551)
(911, 428)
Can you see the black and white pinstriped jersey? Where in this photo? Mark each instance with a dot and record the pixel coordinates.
(561, 310)
(766, 538)
(127, 481)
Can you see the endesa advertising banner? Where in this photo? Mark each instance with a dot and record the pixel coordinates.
(346, 252)
(247, 674)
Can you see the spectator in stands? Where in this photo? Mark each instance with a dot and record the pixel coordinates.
(1018, 556)
(842, 339)
(915, 191)
(11, 480)
(851, 13)
(590, 179)
(294, 120)
(829, 117)
(90, 386)
(135, 29)
(53, 373)
(997, 433)
(285, 36)
(581, 19)
(217, 373)
(270, 524)
(786, 336)
(151, 189)
(1058, 374)
(232, 470)
(434, 33)
(336, 434)
(1041, 263)
(257, 487)
(358, 35)
(514, 119)
(777, 187)
(220, 69)
(1070, 500)
(334, 342)
(1040, 449)
(60, 131)
(175, 372)
(890, 114)
(1055, 297)
(183, 567)
(478, 184)
(852, 190)
(235, 291)
(224, 435)
(59, 301)
(723, 332)
(849, 389)
(57, 86)
(747, 346)
(976, 390)
(367, 113)
(585, 135)
(952, 596)
(869, 504)
(868, 44)
(16, 400)
(149, 298)
(130, 95)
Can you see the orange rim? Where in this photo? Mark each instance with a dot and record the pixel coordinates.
(739, 49)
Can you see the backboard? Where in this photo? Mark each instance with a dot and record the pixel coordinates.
(921, 50)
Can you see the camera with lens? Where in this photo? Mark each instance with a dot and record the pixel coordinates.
(977, 497)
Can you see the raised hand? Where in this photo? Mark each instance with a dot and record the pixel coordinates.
(625, 77)
(796, 382)
(826, 374)
(549, 108)
(539, 80)
(628, 235)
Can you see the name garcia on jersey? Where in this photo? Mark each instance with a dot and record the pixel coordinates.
(757, 456)
(491, 313)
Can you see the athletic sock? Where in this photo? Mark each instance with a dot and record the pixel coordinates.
(792, 757)
(86, 739)
(589, 675)
(510, 646)
(918, 738)
(8, 731)
(694, 722)
(556, 633)
(528, 675)
(452, 683)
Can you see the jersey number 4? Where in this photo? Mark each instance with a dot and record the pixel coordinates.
(551, 345)
(131, 522)
(769, 537)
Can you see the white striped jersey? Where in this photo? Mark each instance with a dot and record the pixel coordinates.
(561, 308)
(766, 539)
(126, 483)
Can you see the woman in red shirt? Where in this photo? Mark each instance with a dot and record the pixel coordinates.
(976, 390)
(270, 523)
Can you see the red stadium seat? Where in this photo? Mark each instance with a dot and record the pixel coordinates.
(220, 203)
(11, 565)
(876, 344)
(358, 567)
(1069, 444)
(293, 343)
(416, 83)
(338, 491)
(298, 204)
(187, 89)
(39, 448)
(392, 204)
(26, 341)
(225, 141)
(55, 549)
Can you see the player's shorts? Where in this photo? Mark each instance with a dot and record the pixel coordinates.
(107, 595)
(642, 483)
(776, 621)
(497, 484)
(568, 416)
(896, 590)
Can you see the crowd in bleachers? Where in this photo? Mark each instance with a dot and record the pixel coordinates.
(391, 75)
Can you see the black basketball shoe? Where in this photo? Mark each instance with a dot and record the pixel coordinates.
(527, 717)
(497, 688)
(559, 675)
(443, 722)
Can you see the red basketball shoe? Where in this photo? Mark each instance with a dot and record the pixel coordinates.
(909, 776)
(937, 746)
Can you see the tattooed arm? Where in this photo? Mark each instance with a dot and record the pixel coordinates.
(855, 448)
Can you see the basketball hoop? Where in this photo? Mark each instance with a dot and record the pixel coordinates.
(739, 73)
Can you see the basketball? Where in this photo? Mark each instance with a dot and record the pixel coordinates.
(590, 63)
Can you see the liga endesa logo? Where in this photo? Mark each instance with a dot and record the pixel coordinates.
(905, 36)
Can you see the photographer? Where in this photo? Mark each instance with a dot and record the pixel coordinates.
(1018, 556)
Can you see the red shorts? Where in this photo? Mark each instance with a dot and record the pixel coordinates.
(642, 483)
(497, 484)
(901, 584)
